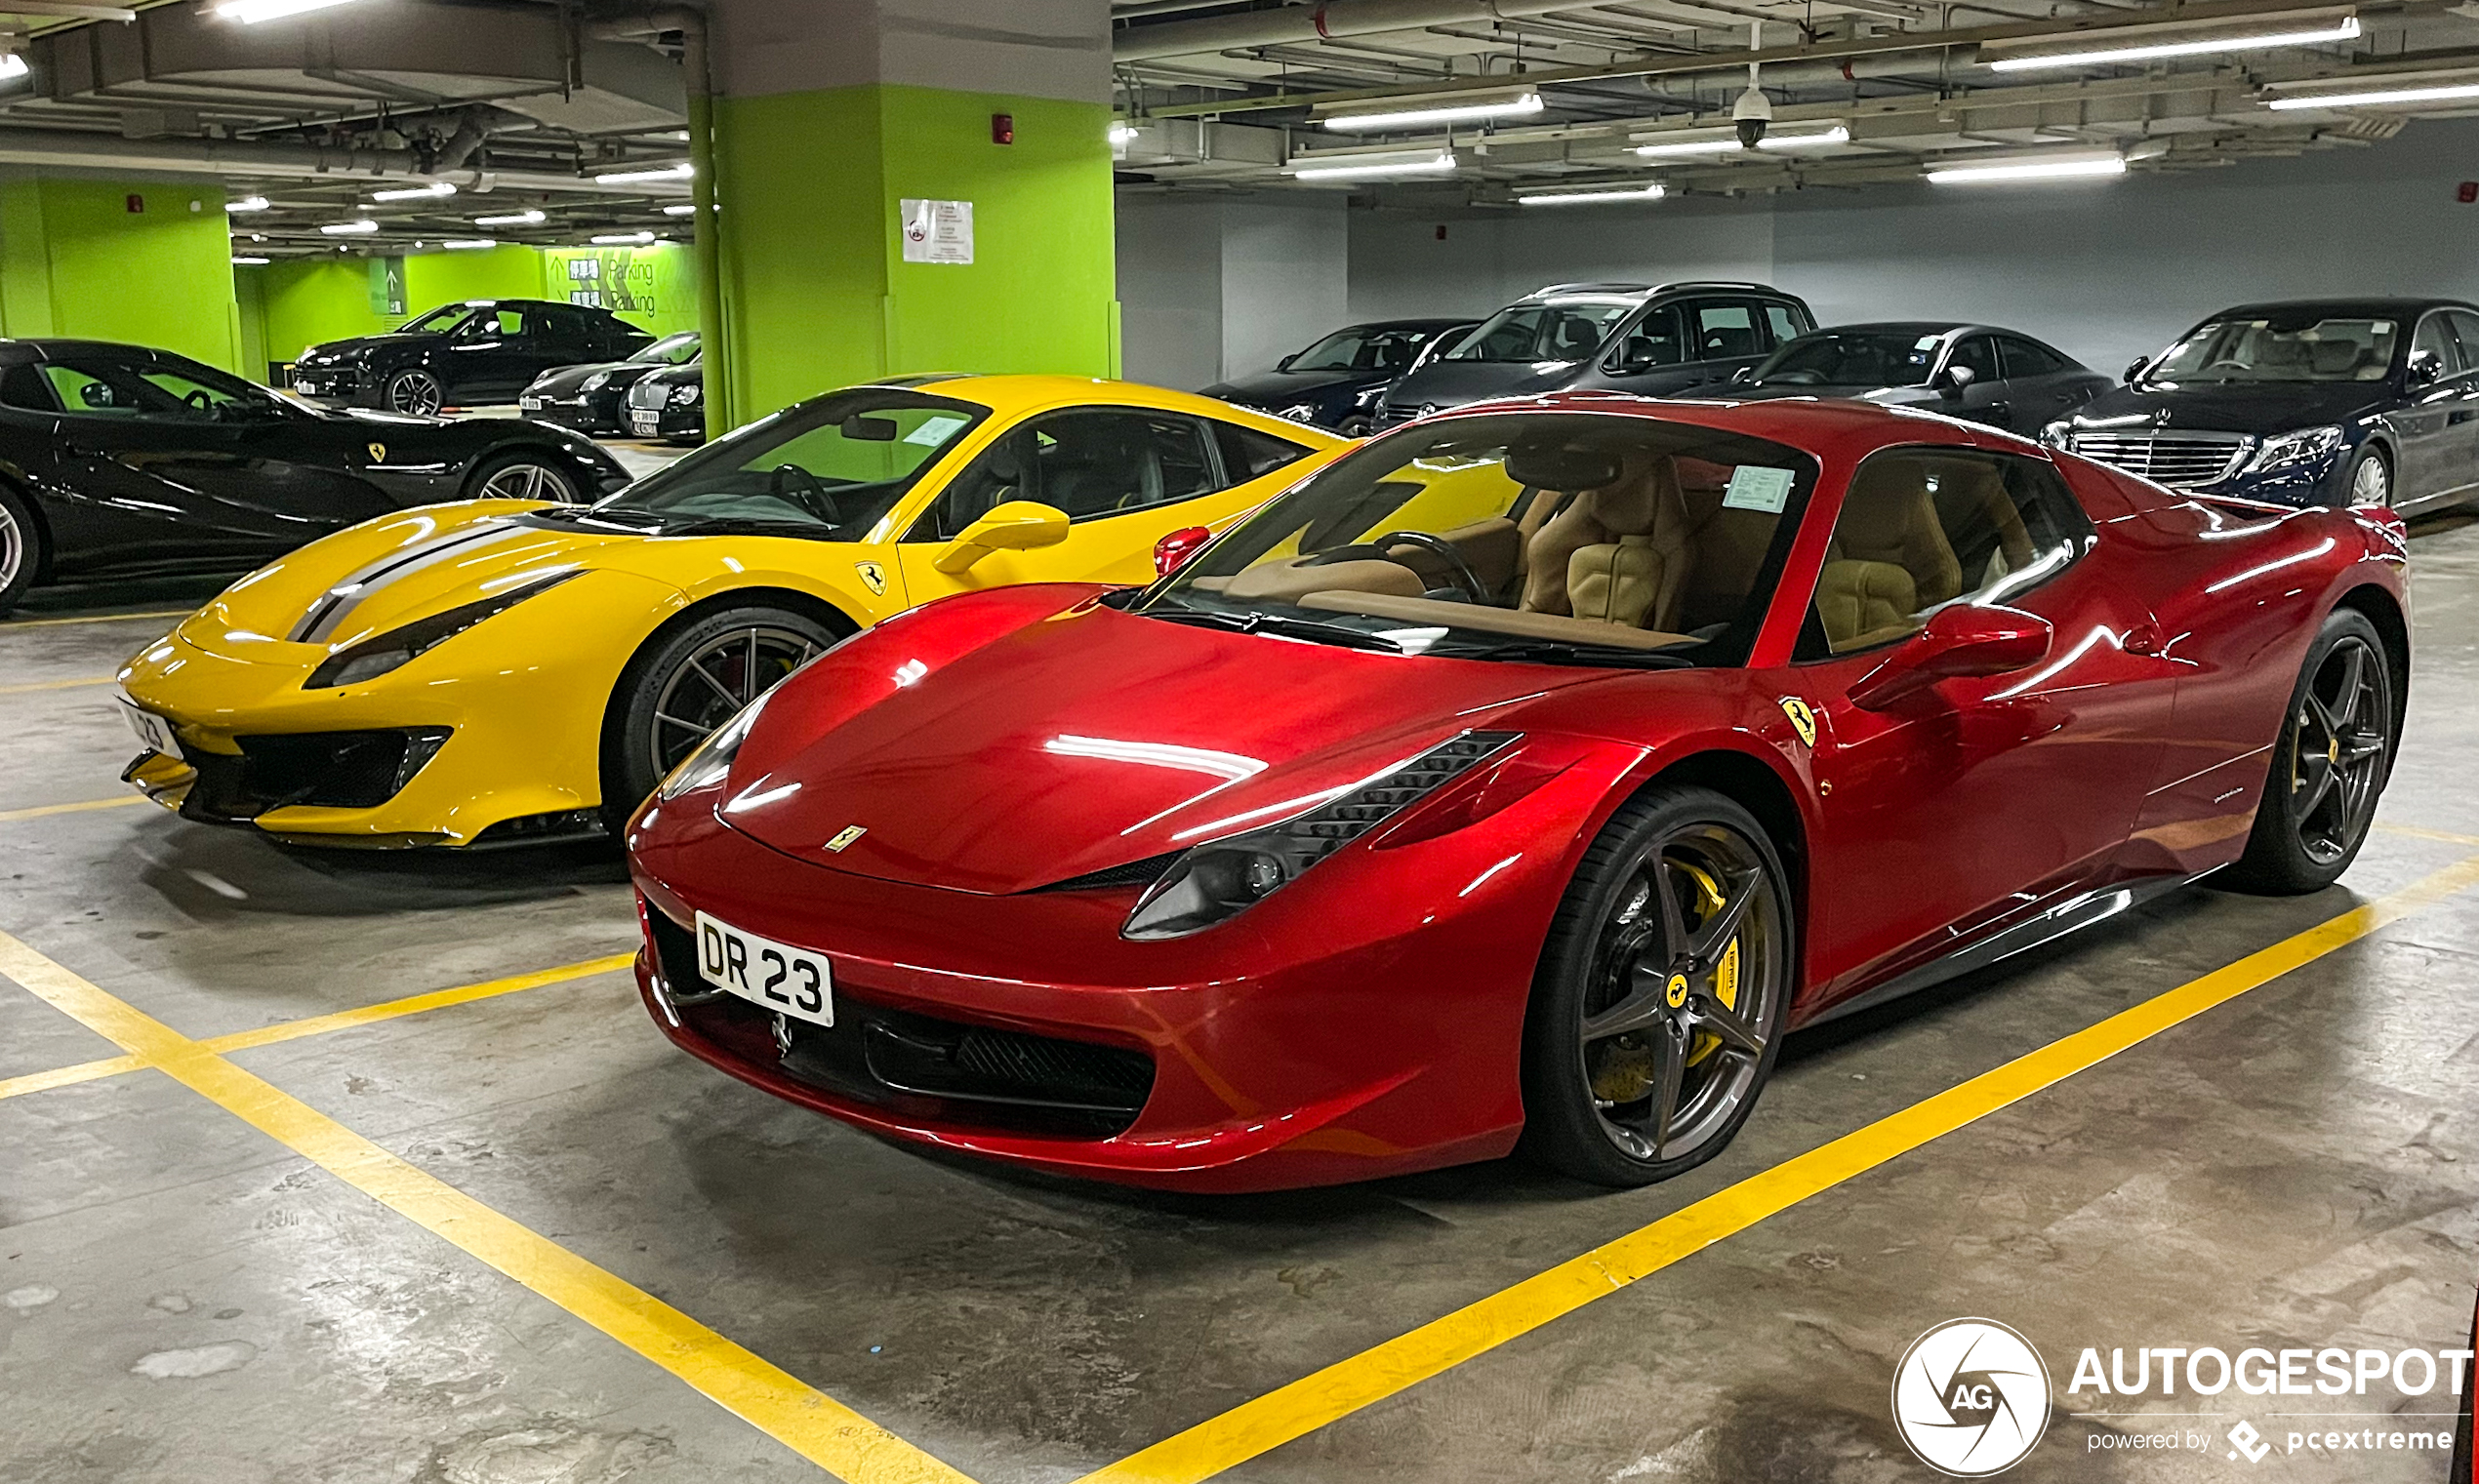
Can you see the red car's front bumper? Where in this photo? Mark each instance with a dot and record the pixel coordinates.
(1367, 1021)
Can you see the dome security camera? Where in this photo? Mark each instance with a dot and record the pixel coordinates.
(1752, 113)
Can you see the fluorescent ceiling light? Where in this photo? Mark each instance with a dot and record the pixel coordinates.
(247, 204)
(252, 12)
(1713, 144)
(2344, 29)
(2028, 170)
(2438, 93)
(1593, 193)
(1815, 138)
(350, 229)
(1519, 105)
(470, 244)
(622, 239)
(12, 65)
(249, 263)
(684, 208)
(413, 192)
(680, 172)
(1121, 133)
(517, 218)
(1367, 167)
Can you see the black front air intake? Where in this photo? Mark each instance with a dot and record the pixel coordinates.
(324, 770)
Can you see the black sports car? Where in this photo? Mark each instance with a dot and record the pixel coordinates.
(1337, 382)
(2316, 402)
(588, 399)
(117, 459)
(463, 355)
(670, 403)
(1978, 372)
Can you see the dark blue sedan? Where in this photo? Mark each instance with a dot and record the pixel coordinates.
(1337, 382)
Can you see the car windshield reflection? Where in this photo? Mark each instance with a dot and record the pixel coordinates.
(2280, 350)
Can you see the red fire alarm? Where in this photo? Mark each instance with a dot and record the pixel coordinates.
(1442, 232)
(137, 203)
(2467, 192)
(1002, 128)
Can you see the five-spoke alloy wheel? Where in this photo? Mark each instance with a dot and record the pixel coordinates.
(1660, 998)
(2330, 764)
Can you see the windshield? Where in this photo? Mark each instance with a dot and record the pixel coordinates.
(670, 350)
(441, 320)
(1564, 538)
(1362, 347)
(1563, 330)
(1852, 358)
(2280, 350)
(829, 469)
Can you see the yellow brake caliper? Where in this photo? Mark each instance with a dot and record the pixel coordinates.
(1725, 973)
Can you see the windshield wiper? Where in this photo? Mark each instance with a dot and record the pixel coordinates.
(1568, 652)
(1310, 630)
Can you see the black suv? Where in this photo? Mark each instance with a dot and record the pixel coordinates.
(2312, 402)
(1649, 340)
(464, 355)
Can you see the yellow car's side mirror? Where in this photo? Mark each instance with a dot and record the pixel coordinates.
(1019, 525)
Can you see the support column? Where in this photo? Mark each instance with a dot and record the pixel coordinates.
(146, 262)
(829, 115)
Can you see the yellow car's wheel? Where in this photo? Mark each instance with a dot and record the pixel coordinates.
(687, 683)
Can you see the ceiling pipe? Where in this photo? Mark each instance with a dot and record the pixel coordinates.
(1319, 21)
(304, 162)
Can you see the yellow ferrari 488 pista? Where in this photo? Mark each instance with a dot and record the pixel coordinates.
(500, 670)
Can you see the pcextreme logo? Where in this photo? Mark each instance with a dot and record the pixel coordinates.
(1971, 1398)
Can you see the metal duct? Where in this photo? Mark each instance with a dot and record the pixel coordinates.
(1322, 20)
(232, 158)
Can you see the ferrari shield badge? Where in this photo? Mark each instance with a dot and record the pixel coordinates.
(873, 576)
(844, 837)
(379, 453)
(1802, 720)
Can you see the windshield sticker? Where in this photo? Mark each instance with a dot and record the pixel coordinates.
(934, 431)
(1926, 342)
(1754, 487)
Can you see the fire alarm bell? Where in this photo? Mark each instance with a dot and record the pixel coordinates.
(1002, 128)
(137, 203)
(2468, 192)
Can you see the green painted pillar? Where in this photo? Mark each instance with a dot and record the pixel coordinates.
(830, 115)
(146, 262)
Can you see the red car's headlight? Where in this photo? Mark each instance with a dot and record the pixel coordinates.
(1213, 883)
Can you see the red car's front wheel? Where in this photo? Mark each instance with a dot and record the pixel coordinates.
(1658, 1007)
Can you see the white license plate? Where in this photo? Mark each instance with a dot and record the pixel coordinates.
(305, 389)
(775, 976)
(152, 730)
(529, 404)
(646, 423)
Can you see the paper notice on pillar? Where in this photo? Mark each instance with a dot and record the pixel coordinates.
(937, 232)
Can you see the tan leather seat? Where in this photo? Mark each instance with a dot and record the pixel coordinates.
(1982, 523)
(1604, 540)
(1888, 561)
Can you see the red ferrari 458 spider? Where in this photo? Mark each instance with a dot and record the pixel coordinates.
(1523, 777)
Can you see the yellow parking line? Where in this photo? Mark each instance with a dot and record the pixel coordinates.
(97, 618)
(2421, 832)
(116, 801)
(321, 1024)
(1340, 1389)
(53, 685)
(806, 1421)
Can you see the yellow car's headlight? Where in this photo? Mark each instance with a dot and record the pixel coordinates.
(380, 654)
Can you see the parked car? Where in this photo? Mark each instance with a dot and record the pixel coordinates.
(1650, 341)
(468, 354)
(2331, 401)
(504, 671)
(1976, 372)
(590, 398)
(118, 459)
(670, 403)
(1337, 382)
(1523, 775)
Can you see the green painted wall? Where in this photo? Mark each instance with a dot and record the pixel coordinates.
(76, 261)
(816, 292)
(307, 300)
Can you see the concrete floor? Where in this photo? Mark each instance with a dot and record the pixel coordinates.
(186, 1301)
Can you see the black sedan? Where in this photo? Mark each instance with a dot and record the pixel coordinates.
(670, 403)
(2316, 402)
(590, 398)
(1337, 382)
(463, 355)
(121, 461)
(1978, 372)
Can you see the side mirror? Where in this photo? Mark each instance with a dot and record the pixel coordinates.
(2424, 367)
(1958, 381)
(1172, 551)
(1743, 375)
(1964, 639)
(1019, 525)
(2135, 369)
(1284, 363)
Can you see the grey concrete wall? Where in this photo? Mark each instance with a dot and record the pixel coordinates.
(1216, 287)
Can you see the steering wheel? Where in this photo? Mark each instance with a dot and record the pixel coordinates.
(200, 400)
(811, 495)
(1440, 546)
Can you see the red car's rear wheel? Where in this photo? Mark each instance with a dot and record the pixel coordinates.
(1657, 1011)
(2329, 766)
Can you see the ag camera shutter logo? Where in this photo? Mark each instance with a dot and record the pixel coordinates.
(1971, 1398)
